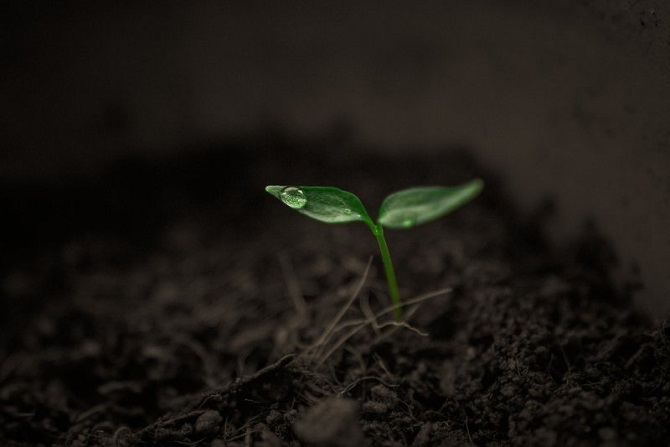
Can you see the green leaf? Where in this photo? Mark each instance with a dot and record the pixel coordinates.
(323, 203)
(415, 206)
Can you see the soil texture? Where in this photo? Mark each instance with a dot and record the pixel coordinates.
(176, 303)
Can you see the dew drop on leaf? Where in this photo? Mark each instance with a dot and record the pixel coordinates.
(293, 197)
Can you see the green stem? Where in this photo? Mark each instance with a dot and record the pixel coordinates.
(388, 267)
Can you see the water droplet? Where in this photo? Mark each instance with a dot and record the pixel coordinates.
(293, 197)
(347, 211)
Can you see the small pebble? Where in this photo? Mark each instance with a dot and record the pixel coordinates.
(333, 422)
(208, 422)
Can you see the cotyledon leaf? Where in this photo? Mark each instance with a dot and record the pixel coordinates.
(323, 203)
(415, 206)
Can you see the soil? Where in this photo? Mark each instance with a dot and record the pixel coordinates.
(174, 302)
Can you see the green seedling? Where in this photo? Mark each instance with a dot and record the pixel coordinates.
(403, 209)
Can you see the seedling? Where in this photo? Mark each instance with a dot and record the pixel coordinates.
(403, 209)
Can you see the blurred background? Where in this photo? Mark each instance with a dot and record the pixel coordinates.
(569, 100)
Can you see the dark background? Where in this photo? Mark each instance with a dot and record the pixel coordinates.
(563, 99)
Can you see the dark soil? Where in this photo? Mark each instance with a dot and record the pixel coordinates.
(176, 303)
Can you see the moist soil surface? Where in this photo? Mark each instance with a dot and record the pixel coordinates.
(174, 302)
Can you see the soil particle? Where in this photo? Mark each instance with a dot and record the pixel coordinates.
(208, 423)
(334, 422)
(382, 402)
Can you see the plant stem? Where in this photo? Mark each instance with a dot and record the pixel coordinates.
(390, 273)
